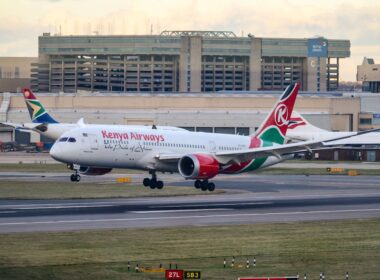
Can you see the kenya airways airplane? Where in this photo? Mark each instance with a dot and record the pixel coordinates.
(195, 155)
(44, 124)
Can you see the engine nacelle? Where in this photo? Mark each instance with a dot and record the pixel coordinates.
(86, 170)
(198, 166)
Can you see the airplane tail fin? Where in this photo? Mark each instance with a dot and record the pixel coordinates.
(37, 111)
(273, 129)
(297, 122)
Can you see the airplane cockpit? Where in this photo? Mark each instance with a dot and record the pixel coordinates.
(67, 139)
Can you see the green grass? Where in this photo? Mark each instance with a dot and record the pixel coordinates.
(67, 190)
(280, 249)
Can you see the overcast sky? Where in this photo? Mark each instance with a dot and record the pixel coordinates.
(21, 21)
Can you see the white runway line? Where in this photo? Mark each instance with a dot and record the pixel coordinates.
(61, 207)
(213, 204)
(178, 211)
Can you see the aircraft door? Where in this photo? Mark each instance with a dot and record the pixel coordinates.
(94, 144)
(89, 142)
(212, 147)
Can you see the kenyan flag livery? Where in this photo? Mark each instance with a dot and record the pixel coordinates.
(272, 131)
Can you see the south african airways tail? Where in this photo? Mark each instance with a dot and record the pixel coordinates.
(37, 111)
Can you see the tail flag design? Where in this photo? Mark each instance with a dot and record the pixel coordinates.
(37, 111)
(272, 131)
(275, 126)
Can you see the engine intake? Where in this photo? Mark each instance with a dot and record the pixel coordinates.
(198, 166)
(86, 170)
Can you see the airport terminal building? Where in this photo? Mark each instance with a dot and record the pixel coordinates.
(185, 61)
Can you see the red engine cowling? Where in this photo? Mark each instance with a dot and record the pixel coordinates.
(198, 166)
(86, 170)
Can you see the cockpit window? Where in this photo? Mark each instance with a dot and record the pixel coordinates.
(63, 139)
(72, 140)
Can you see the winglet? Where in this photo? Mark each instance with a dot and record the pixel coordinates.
(273, 129)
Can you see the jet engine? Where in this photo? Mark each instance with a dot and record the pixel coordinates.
(198, 166)
(86, 170)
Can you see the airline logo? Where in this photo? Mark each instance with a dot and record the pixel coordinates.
(26, 93)
(295, 122)
(35, 108)
(132, 135)
(281, 115)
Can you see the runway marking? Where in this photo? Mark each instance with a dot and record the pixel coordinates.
(177, 211)
(62, 207)
(14, 206)
(188, 217)
(216, 204)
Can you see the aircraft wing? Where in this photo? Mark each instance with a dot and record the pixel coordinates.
(280, 150)
(21, 126)
(275, 150)
(15, 125)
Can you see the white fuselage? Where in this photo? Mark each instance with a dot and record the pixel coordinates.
(140, 148)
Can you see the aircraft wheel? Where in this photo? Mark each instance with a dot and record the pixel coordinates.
(211, 187)
(146, 182)
(198, 184)
(77, 177)
(72, 178)
(159, 185)
(204, 186)
(153, 184)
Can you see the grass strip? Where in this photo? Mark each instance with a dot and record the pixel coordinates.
(68, 190)
(332, 247)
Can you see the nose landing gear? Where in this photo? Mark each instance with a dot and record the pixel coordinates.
(74, 177)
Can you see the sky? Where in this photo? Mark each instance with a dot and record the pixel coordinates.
(22, 21)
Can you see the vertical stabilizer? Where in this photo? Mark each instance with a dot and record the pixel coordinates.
(37, 111)
(273, 129)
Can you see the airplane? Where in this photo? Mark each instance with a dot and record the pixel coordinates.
(197, 156)
(299, 129)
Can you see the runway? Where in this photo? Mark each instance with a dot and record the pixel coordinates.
(248, 199)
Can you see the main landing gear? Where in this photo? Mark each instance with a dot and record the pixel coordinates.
(153, 183)
(204, 185)
(74, 177)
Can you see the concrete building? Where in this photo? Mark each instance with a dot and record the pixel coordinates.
(212, 112)
(185, 61)
(15, 73)
(369, 74)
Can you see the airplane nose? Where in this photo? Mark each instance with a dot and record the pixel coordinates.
(56, 152)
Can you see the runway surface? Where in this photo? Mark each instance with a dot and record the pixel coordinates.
(248, 199)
